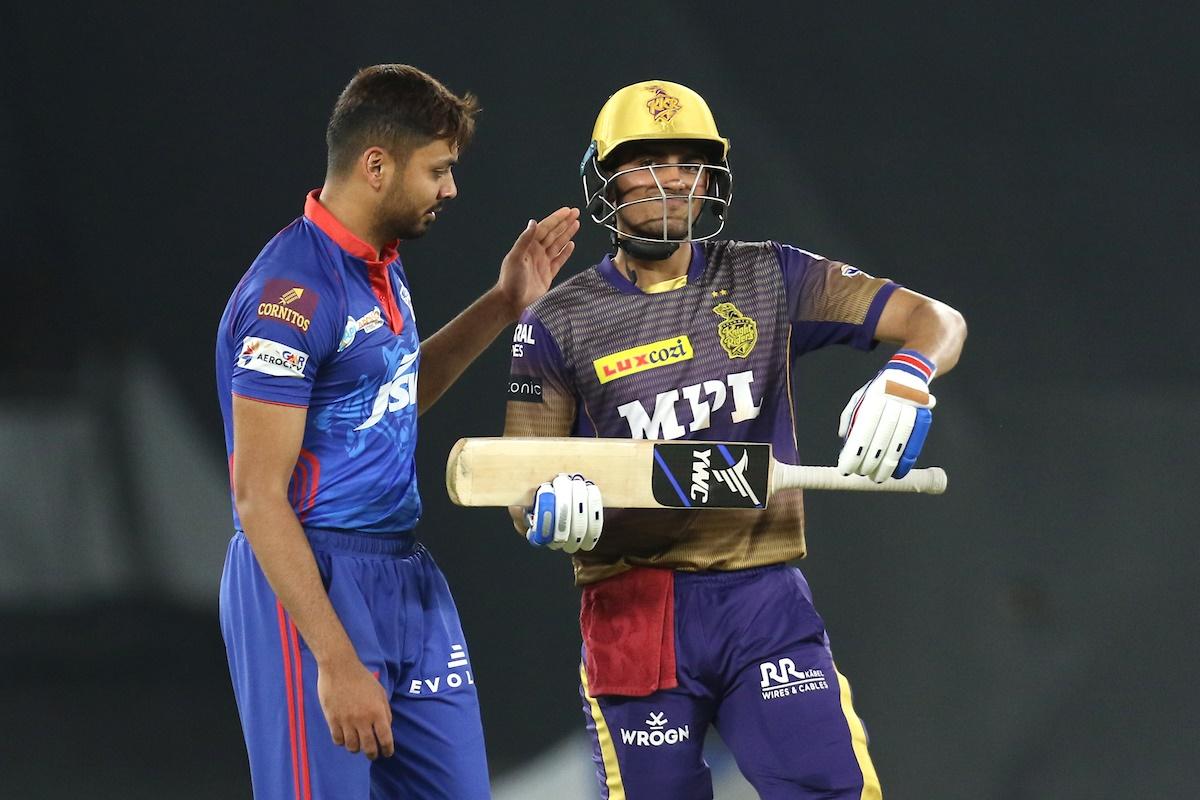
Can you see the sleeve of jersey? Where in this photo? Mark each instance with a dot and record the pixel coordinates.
(540, 402)
(282, 330)
(830, 302)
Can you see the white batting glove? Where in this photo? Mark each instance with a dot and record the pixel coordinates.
(567, 514)
(885, 423)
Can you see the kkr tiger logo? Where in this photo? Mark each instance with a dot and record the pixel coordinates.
(662, 107)
(738, 332)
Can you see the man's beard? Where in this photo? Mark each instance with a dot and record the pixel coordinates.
(400, 220)
(677, 227)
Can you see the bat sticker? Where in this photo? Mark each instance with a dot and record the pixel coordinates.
(697, 474)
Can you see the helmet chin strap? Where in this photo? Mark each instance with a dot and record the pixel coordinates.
(646, 251)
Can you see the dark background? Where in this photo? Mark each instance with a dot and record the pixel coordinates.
(1035, 165)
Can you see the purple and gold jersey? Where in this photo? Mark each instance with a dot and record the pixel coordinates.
(319, 321)
(707, 358)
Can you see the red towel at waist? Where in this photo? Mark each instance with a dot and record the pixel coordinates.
(628, 627)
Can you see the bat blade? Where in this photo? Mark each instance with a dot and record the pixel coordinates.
(637, 473)
(631, 473)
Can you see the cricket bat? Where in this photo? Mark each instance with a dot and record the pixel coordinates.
(641, 473)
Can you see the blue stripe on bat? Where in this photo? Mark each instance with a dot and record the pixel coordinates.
(679, 491)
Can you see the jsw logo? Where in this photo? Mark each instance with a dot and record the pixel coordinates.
(398, 393)
(703, 399)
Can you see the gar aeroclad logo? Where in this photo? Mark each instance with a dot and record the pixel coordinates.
(272, 358)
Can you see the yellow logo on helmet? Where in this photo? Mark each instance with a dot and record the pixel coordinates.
(662, 107)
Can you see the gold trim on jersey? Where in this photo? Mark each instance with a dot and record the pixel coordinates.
(738, 332)
(668, 285)
(643, 357)
(608, 750)
(858, 736)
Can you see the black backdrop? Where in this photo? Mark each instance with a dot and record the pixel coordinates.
(1034, 165)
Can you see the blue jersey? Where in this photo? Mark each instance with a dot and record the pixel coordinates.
(320, 321)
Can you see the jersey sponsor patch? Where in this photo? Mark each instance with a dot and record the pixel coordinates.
(522, 335)
(368, 322)
(525, 389)
(703, 399)
(272, 358)
(289, 303)
(396, 394)
(783, 679)
(643, 357)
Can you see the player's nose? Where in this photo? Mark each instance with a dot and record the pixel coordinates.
(673, 176)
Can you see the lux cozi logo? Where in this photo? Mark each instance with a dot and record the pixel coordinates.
(703, 400)
(643, 357)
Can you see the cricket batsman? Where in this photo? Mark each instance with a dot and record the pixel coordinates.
(695, 619)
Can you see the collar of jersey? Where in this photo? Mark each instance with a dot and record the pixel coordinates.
(613, 274)
(341, 235)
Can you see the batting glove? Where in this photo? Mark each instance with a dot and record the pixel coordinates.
(567, 514)
(885, 423)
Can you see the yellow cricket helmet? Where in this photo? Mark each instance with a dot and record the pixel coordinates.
(654, 111)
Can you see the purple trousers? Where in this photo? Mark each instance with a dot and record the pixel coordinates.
(753, 660)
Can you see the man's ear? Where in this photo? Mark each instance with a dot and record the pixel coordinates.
(374, 164)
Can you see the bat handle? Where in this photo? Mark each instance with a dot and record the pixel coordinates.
(928, 480)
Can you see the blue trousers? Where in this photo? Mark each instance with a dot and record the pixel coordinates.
(397, 609)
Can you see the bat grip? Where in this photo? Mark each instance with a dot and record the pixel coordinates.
(928, 480)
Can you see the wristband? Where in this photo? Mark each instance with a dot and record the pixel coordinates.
(913, 363)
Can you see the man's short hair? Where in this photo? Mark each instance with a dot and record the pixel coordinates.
(399, 108)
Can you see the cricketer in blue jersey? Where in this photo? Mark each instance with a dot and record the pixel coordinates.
(342, 637)
(694, 618)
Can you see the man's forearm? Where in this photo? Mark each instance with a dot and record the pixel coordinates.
(447, 353)
(286, 558)
(938, 333)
